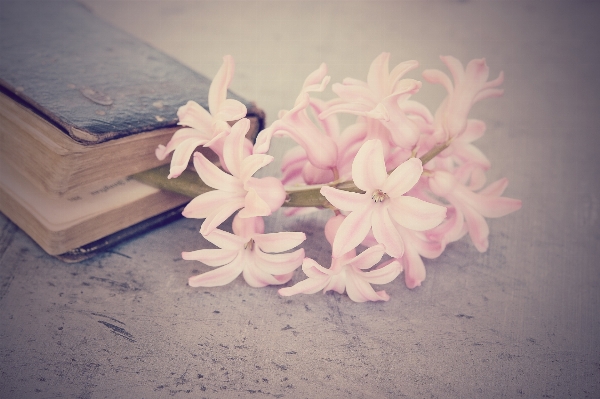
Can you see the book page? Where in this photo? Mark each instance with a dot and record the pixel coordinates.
(60, 213)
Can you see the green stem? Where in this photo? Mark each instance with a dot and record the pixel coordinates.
(189, 184)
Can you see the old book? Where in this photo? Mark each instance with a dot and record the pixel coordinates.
(83, 102)
(83, 105)
(62, 225)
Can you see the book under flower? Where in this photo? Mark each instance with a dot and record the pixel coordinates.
(83, 106)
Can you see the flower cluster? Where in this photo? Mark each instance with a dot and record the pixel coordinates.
(400, 180)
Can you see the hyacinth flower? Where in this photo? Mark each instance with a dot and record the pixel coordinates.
(409, 213)
(417, 245)
(470, 85)
(384, 98)
(320, 148)
(473, 207)
(238, 190)
(250, 252)
(347, 273)
(382, 202)
(205, 128)
(295, 165)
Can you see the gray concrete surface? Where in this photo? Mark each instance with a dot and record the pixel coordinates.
(521, 320)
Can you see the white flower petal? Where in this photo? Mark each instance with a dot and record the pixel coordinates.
(279, 242)
(211, 257)
(368, 167)
(416, 214)
(403, 178)
(218, 277)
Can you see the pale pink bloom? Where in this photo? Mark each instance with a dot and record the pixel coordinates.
(238, 190)
(382, 202)
(206, 128)
(249, 252)
(296, 168)
(461, 151)
(452, 229)
(384, 97)
(473, 207)
(320, 148)
(470, 85)
(347, 273)
(417, 244)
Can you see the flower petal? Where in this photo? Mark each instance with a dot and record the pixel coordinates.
(215, 177)
(384, 274)
(255, 277)
(218, 277)
(231, 110)
(368, 167)
(277, 264)
(254, 205)
(487, 206)
(279, 242)
(317, 80)
(313, 269)
(385, 232)
(309, 286)
(226, 240)
(436, 76)
(217, 217)
(414, 269)
(403, 178)
(252, 163)
(218, 88)
(205, 204)
(367, 258)
(455, 67)
(233, 148)
(399, 71)
(416, 214)
(360, 291)
(182, 154)
(478, 228)
(195, 116)
(350, 108)
(352, 231)
(496, 188)
(211, 257)
(377, 77)
(180, 136)
(345, 200)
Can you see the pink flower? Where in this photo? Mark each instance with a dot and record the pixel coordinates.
(384, 98)
(417, 245)
(249, 252)
(347, 272)
(207, 129)
(320, 148)
(296, 168)
(473, 207)
(382, 202)
(470, 86)
(238, 190)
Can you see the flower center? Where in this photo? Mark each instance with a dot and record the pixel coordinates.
(379, 196)
(249, 245)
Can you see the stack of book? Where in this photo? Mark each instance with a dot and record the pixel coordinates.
(83, 106)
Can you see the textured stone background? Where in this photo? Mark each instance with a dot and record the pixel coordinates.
(520, 320)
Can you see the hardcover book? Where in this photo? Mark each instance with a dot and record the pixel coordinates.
(84, 105)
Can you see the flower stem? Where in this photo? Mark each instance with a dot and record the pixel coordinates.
(189, 184)
(434, 152)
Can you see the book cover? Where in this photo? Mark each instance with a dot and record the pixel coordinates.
(92, 80)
